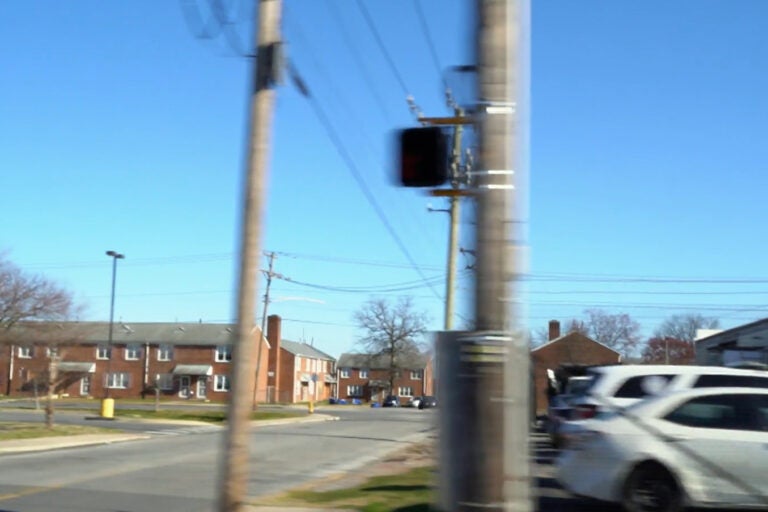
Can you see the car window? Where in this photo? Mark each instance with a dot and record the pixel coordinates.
(731, 381)
(730, 412)
(579, 386)
(762, 412)
(635, 387)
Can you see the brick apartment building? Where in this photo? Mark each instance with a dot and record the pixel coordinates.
(366, 377)
(570, 350)
(182, 360)
(298, 372)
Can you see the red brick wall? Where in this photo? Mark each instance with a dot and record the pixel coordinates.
(420, 386)
(142, 371)
(573, 348)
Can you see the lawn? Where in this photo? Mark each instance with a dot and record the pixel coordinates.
(410, 491)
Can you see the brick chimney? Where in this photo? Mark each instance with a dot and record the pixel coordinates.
(274, 335)
(554, 330)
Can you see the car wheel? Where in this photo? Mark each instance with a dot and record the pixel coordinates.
(651, 488)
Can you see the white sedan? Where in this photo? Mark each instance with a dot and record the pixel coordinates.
(706, 447)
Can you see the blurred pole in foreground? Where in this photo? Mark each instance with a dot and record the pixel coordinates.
(502, 450)
(484, 375)
(233, 484)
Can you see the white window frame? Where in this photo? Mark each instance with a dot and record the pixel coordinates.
(101, 350)
(223, 354)
(405, 391)
(343, 373)
(364, 373)
(164, 381)
(51, 352)
(132, 352)
(117, 380)
(221, 383)
(355, 390)
(417, 374)
(165, 352)
(26, 352)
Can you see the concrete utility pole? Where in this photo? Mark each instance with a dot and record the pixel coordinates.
(233, 484)
(503, 480)
(260, 345)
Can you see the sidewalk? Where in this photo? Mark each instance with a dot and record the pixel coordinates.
(38, 444)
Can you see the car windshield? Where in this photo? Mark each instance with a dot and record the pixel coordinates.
(579, 386)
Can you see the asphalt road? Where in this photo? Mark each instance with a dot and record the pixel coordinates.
(178, 473)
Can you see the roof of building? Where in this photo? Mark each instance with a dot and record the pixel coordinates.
(173, 333)
(378, 362)
(304, 349)
(570, 334)
(757, 325)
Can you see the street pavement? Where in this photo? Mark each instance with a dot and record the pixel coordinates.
(174, 466)
(179, 473)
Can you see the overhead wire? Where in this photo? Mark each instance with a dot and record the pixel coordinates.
(382, 47)
(356, 174)
(430, 42)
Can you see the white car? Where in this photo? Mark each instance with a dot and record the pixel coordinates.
(699, 448)
(624, 385)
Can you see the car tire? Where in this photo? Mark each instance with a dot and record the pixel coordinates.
(650, 487)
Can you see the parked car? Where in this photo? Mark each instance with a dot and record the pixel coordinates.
(391, 401)
(693, 448)
(428, 402)
(414, 401)
(620, 386)
(560, 408)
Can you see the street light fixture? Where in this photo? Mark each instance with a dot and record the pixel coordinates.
(115, 256)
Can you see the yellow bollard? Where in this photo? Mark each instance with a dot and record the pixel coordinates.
(108, 408)
(311, 407)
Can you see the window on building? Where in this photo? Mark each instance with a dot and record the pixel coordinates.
(223, 354)
(364, 374)
(164, 381)
(164, 352)
(405, 391)
(51, 352)
(221, 383)
(344, 373)
(132, 352)
(417, 375)
(118, 380)
(103, 352)
(25, 352)
(355, 391)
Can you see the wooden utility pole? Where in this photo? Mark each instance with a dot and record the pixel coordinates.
(260, 345)
(453, 236)
(233, 484)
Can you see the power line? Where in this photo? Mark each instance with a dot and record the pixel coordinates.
(430, 42)
(353, 261)
(380, 42)
(356, 174)
(357, 56)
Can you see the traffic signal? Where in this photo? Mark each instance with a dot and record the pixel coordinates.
(423, 157)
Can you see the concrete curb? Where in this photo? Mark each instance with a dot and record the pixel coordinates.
(40, 444)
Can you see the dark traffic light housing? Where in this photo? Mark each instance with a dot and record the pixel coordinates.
(423, 157)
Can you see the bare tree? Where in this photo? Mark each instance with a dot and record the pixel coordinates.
(683, 327)
(668, 350)
(615, 330)
(392, 332)
(34, 311)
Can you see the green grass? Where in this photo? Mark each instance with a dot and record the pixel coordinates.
(14, 430)
(208, 416)
(410, 491)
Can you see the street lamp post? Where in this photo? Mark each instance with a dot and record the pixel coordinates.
(107, 409)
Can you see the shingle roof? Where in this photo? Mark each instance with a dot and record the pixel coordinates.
(378, 362)
(303, 349)
(173, 333)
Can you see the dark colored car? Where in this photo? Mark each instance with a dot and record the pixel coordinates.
(391, 401)
(427, 402)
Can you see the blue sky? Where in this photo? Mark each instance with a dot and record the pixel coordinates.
(119, 129)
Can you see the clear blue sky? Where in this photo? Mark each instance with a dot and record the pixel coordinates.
(119, 129)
